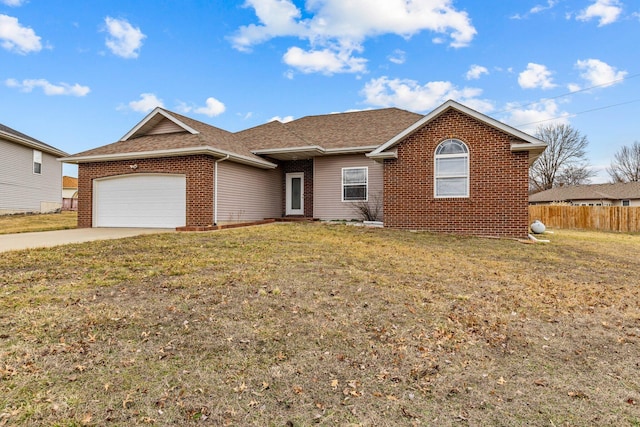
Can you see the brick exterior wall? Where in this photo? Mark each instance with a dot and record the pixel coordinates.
(498, 181)
(305, 166)
(199, 179)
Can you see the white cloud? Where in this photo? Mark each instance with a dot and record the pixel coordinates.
(475, 72)
(146, 103)
(124, 40)
(212, 108)
(530, 117)
(340, 27)
(598, 73)
(399, 56)
(541, 8)
(573, 87)
(607, 11)
(324, 61)
(285, 119)
(13, 3)
(535, 76)
(14, 37)
(48, 88)
(410, 95)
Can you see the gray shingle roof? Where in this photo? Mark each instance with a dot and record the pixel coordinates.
(330, 131)
(32, 142)
(618, 191)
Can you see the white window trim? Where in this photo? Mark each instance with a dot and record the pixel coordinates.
(436, 157)
(366, 175)
(37, 158)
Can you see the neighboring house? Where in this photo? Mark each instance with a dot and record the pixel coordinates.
(454, 170)
(619, 194)
(69, 193)
(69, 187)
(30, 174)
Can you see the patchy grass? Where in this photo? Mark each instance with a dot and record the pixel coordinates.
(10, 224)
(301, 324)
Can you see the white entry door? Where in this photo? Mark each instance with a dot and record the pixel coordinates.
(295, 194)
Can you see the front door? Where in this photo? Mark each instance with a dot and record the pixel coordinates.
(295, 194)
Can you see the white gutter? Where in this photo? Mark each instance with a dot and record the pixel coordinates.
(383, 155)
(170, 153)
(215, 188)
(292, 150)
(32, 144)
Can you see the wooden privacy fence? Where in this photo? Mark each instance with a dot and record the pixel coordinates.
(69, 204)
(602, 218)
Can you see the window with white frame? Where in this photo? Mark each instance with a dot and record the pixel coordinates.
(37, 162)
(354, 184)
(625, 203)
(452, 169)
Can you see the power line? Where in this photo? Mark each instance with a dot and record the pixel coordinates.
(581, 112)
(609, 83)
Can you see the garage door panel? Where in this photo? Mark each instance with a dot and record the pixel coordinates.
(140, 200)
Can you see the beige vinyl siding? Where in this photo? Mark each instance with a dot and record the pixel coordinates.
(327, 185)
(248, 193)
(165, 126)
(20, 189)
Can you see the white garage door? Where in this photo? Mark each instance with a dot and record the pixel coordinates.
(140, 200)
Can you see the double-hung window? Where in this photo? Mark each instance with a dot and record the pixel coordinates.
(452, 169)
(354, 184)
(37, 162)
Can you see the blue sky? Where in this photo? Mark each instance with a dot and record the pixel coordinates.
(80, 74)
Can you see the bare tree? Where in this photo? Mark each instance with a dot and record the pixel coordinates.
(563, 162)
(625, 166)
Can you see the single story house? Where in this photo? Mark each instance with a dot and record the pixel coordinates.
(30, 175)
(453, 170)
(618, 194)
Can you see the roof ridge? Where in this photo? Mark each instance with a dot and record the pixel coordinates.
(356, 112)
(187, 119)
(296, 134)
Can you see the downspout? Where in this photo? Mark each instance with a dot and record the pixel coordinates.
(215, 189)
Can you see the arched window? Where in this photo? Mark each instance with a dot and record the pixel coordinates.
(452, 169)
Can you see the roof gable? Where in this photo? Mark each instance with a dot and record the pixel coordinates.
(163, 133)
(525, 142)
(158, 121)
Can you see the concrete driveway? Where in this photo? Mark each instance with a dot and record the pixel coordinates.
(41, 239)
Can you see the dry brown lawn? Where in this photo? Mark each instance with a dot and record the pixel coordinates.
(10, 224)
(312, 324)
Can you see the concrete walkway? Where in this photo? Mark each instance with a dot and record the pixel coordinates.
(41, 239)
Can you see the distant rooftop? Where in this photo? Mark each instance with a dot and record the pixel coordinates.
(618, 191)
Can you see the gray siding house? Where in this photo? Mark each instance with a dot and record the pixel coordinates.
(30, 174)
